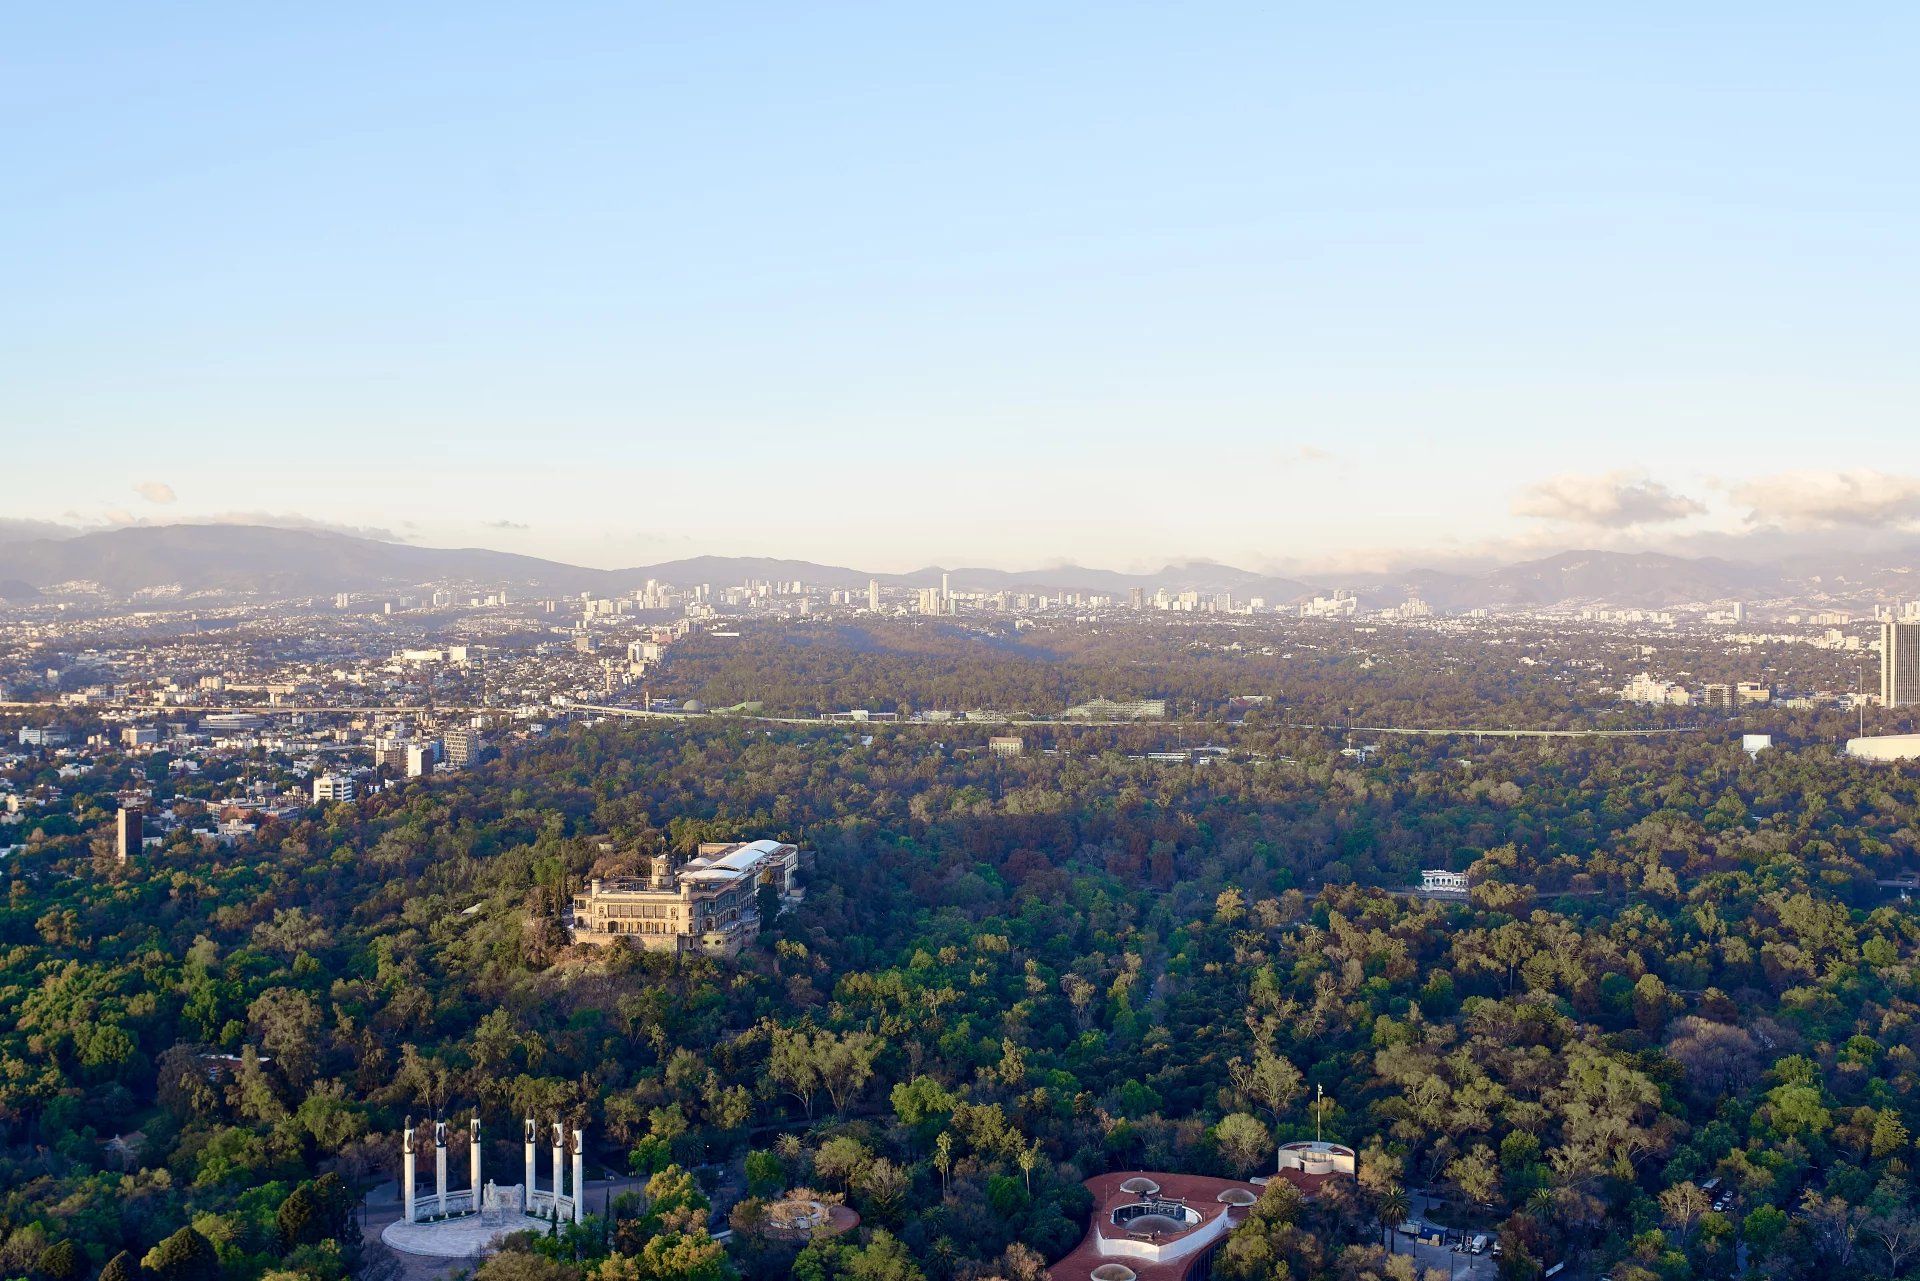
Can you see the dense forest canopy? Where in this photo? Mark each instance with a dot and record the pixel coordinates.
(1487, 673)
(1007, 974)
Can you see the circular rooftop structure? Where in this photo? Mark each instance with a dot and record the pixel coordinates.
(1237, 1196)
(1153, 1225)
(799, 1218)
(1113, 1272)
(1140, 1186)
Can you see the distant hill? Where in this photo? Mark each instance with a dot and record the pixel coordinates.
(277, 563)
(269, 561)
(264, 560)
(1195, 576)
(1645, 579)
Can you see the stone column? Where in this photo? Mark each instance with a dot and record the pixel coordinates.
(526, 1197)
(406, 1167)
(440, 1166)
(559, 1168)
(579, 1175)
(473, 1160)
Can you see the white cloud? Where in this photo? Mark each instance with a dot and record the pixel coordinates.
(120, 518)
(156, 491)
(1616, 500)
(1304, 456)
(1825, 500)
(294, 520)
(20, 528)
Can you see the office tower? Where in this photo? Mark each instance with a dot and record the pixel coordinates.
(1899, 663)
(873, 594)
(129, 833)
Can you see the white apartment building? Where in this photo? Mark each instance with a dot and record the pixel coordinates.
(329, 788)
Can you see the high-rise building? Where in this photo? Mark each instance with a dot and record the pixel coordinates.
(1899, 663)
(463, 744)
(873, 594)
(129, 832)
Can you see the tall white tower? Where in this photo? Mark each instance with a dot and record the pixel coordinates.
(579, 1175)
(407, 1172)
(526, 1197)
(473, 1159)
(440, 1167)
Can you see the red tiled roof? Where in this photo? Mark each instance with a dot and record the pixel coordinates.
(1195, 1192)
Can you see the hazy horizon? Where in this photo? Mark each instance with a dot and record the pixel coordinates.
(1280, 290)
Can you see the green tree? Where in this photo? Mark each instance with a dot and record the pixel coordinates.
(184, 1256)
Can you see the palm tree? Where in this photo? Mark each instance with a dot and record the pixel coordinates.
(943, 1158)
(1029, 1157)
(1395, 1206)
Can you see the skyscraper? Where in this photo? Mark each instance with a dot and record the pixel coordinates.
(873, 594)
(1899, 663)
(129, 833)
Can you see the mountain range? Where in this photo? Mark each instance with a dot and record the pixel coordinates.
(257, 560)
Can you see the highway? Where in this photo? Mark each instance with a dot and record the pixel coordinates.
(639, 713)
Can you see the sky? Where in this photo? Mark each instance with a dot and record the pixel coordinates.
(1280, 285)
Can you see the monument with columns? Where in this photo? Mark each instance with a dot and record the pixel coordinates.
(468, 1222)
(556, 1201)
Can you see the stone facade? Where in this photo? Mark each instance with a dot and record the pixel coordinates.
(709, 904)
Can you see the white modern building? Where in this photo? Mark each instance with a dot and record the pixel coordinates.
(329, 788)
(1435, 880)
(1885, 747)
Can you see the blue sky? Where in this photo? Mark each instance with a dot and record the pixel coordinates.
(1278, 284)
